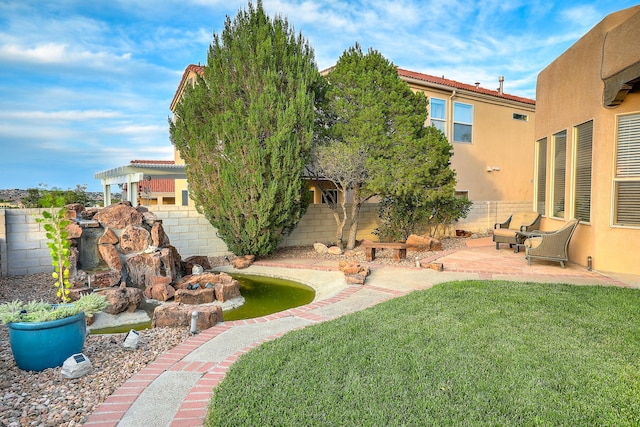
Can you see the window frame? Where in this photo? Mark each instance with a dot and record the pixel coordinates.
(629, 171)
(558, 184)
(443, 121)
(462, 123)
(582, 190)
(540, 180)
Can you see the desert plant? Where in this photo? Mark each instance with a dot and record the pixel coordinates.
(40, 311)
(55, 224)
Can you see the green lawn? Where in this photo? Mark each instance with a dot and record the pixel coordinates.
(462, 353)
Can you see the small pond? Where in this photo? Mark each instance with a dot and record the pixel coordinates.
(263, 296)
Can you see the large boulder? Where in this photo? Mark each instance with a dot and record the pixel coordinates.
(134, 239)
(200, 260)
(195, 296)
(143, 266)
(423, 243)
(105, 278)
(243, 262)
(74, 230)
(108, 237)
(118, 216)
(110, 256)
(227, 291)
(159, 238)
(179, 315)
(122, 299)
(159, 288)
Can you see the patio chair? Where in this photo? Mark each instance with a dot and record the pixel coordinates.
(507, 232)
(550, 245)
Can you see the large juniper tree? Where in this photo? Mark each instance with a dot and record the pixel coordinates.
(374, 142)
(244, 130)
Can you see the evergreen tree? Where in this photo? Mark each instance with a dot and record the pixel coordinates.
(245, 130)
(375, 117)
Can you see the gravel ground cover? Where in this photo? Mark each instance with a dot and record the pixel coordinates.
(46, 399)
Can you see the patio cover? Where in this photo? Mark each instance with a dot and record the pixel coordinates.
(133, 173)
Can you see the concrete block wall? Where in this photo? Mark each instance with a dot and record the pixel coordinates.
(3, 244)
(319, 225)
(189, 231)
(484, 214)
(23, 248)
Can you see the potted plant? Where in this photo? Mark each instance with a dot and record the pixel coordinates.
(44, 335)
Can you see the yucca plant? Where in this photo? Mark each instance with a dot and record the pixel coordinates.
(55, 225)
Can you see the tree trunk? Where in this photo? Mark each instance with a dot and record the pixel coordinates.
(355, 213)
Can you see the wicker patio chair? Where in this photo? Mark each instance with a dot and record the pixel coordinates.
(550, 245)
(506, 232)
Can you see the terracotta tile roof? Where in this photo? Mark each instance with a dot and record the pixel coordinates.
(463, 86)
(199, 69)
(158, 185)
(401, 72)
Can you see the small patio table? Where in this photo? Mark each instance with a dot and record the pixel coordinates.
(521, 236)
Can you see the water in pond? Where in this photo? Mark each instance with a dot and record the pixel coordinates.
(263, 296)
(266, 295)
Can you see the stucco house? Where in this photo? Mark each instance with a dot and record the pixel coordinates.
(587, 144)
(489, 129)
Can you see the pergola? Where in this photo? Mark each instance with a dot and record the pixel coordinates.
(133, 173)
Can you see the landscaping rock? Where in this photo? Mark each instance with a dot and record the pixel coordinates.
(179, 315)
(197, 296)
(105, 279)
(201, 279)
(189, 262)
(122, 299)
(74, 230)
(119, 216)
(354, 273)
(110, 256)
(109, 237)
(320, 248)
(158, 236)
(423, 243)
(158, 263)
(243, 261)
(134, 239)
(160, 291)
(334, 250)
(227, 291)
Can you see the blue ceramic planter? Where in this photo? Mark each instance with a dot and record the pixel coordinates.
(37, 346)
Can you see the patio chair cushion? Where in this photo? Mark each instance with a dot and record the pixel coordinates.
(519, 219)
(532, 242)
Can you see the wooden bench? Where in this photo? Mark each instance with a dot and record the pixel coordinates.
(399, 249)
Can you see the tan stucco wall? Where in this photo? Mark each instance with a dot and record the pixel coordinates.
(498, 141)
(570, 92)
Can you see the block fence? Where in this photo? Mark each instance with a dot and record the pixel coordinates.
(23, 248)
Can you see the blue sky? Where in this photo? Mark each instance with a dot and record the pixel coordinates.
(85, 86)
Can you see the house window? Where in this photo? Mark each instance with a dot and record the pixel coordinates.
(185, 197)
(582, 156)
(541, 175)
(559, 174)
(518, 116)
(331, 195)
(462, 122)
(627, 175)
(439, 114)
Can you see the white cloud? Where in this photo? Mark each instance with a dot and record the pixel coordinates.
(68, 115)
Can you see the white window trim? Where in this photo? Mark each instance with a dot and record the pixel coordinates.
(616, 179)
(454, 122)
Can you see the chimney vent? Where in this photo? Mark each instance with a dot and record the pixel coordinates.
(501, 88)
